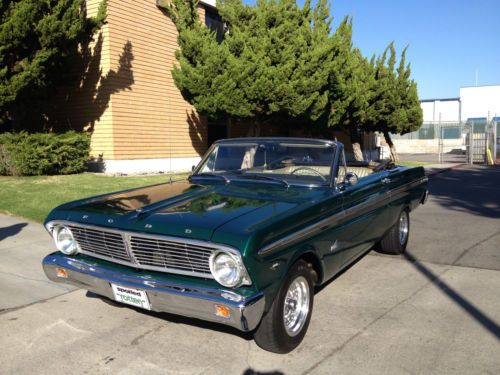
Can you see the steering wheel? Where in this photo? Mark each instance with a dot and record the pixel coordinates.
(311, 170)
(382, 165)
(278, 162)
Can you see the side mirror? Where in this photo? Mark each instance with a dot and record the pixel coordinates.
(192, 168)
(351, 179)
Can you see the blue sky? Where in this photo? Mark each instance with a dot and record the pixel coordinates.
(448, 40)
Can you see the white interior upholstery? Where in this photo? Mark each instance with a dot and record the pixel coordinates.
(325, 171)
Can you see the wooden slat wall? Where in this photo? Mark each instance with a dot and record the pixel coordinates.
(150, 119)
(102, 135)
(85, 105)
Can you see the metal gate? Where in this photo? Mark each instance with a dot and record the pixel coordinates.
(468, 143)
(478, 148)
(454, 143)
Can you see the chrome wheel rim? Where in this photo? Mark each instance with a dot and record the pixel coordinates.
(403, 228)
(296, 306)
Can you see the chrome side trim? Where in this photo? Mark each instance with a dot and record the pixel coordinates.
(303, 233)
(339, 218)
(126, 235)
(409, 185)
(324, 224)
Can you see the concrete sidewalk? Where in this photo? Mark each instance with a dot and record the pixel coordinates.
(23, 244)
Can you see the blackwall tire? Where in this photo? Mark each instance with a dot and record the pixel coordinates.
(284, 326)
(396, 239)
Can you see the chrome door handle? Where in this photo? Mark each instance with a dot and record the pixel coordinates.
(385, 180)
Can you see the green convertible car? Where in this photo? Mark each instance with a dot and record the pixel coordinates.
(244, 241)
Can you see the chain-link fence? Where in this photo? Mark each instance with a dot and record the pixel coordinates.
(444, 142)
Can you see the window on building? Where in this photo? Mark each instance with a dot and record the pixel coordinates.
(214, 22)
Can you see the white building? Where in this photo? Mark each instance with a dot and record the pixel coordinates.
(474, 102)
(479, 104)
(441, 110)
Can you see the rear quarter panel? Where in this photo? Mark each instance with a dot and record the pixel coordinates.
(407, 187)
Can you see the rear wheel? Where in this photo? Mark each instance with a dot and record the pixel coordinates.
(285, 324)
(395, 241)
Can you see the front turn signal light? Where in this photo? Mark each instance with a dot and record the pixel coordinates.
(222, 311)
(61, 272)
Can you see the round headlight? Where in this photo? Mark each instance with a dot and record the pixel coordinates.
(64, 240)
(227, 269)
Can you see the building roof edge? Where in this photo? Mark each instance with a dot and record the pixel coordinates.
(440, 100)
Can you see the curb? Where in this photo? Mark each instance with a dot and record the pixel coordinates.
(442, 170)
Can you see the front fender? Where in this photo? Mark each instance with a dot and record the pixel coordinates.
(269, 271)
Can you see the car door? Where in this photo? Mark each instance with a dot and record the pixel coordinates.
(365, 213)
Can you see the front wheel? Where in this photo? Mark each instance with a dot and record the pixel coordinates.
(285, 324)
(395, 241)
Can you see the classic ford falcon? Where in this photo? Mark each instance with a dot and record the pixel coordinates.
(244, 241)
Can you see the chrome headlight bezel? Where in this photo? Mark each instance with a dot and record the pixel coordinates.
(56, 232)
(240, 275)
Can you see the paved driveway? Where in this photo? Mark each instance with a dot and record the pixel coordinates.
(22, 246)
(435, 311)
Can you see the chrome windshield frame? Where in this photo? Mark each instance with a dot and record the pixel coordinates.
(255, 141)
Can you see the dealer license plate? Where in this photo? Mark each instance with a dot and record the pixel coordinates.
(131, 296)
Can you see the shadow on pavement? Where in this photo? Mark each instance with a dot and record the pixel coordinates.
(469, 308)
(474, 190)
(11, 230)
(177, 319)
(250, 371)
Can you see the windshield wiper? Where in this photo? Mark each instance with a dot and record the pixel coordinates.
(261, 177)
(207, 174)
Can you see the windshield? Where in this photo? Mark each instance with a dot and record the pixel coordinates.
(288, 162)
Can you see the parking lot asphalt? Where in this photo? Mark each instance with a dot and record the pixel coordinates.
(437, 310)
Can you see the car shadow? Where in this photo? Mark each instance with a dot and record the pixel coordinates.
(177, 319)
(251, 371)
(11, 230)
(319, 288)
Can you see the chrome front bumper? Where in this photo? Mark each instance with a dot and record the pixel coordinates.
(164, 296)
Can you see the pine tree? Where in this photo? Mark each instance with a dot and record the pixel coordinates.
(37, 40)
(279, 63)
(349, 87)
(272, 64)
(394, 106)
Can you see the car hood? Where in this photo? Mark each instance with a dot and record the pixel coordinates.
(185, 209)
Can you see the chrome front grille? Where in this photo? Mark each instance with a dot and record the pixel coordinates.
(171, 254)
(153, 252)
(101, 243)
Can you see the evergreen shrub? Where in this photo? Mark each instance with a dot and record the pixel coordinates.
(25, 154)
